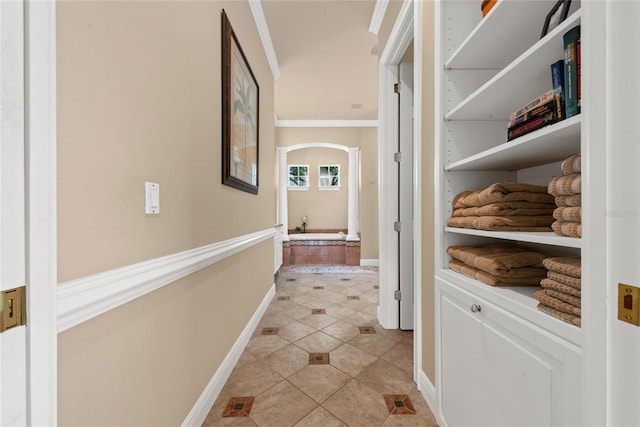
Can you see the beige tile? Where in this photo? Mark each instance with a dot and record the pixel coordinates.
(273, 320)
(281, 405)
(401, 355)
(320, 417)
(313, 302)
(318, 321)
(319, 343)
(355, 305)
(297, 312)
(409, 421)
(357, 405)
(287, 360)
(362, 319)
(394, 334)
(374, 344)
(351, 360)
(262, 345)
(251, 379)
(339, 311)
(295, 331)
(386, 378)
(342, 330)
(319, 381)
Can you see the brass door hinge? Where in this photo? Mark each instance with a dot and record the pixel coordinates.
(13, 308)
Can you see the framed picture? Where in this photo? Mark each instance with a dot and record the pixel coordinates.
(240, 103)
(558, 13)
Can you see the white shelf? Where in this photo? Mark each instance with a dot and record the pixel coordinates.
(486, 48)
(546, 145)
(518, 300)
(522, 80)
(549, 238)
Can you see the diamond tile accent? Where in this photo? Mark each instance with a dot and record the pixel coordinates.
(318, 311)
(318, 287)
(353, 297)
(345, 279)
(376, 287)
(239, 406)
(284, 298)
(291, 280)
(271, 331)
(319, 359)
(367, 329)
(399, 404)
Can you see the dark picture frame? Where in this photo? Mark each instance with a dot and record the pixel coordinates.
(240, 115)
(558, 14)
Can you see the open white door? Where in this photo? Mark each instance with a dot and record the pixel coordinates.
(13, 342)
(405, 202)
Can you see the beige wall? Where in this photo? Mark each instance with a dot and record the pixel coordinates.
(139, 100)
(427, 174)
(314, 201)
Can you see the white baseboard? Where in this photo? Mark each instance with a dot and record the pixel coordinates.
(428, 391)
(369, 263)
(199, 412)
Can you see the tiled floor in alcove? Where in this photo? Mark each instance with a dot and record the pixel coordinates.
(320, 358)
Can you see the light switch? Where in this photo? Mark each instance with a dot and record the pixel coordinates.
(152, 196)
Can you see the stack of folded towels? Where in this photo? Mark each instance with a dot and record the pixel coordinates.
(505, 206)
(567, 190)
(561, 293)
(499, 264)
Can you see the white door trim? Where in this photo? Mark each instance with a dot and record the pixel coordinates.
(40, 142)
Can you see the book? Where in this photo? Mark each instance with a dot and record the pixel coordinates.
(531, 105)
(571, 39)
(557, 80)
(552, 114)
(544, 108)
(579, 72)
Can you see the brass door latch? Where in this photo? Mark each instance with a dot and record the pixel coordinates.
(13, 308)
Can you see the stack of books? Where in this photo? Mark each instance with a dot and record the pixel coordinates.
(562, 101)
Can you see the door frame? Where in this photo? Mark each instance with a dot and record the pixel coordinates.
(41, 220)
(407, 28)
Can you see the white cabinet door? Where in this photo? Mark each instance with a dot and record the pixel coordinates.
(497, 370)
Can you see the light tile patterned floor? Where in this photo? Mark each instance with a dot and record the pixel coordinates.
(320, 358)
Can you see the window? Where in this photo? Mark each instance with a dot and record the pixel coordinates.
(329, 177)
(299, 176)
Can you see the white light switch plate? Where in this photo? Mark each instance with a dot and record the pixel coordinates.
(152, 197)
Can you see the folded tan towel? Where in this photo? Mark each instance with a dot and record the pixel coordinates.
(564, 185)
(569, 299)
(570, 318)
(566, 213)
(501, 260)
(560, 287)
(568, 265)
(567, 228)
(474, 222)
(496, 210)
(569, 200)
(490, 279)
(563, 278)
(503, 192)
(550, 301)
(571, 165)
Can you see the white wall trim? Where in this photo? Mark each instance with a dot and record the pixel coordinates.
(82, 299)
(265, 37)
(369, 262)
(378, 16)
(428, 391)
(40, 144)
(199, 412)
(317, 145)
(326, 123)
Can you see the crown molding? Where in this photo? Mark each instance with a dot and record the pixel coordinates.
(378, 16)
(265, 37)
(326, 123)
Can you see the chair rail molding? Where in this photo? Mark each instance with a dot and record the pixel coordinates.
(82, 299)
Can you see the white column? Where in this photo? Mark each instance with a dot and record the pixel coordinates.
(354, 186)
(283, 183)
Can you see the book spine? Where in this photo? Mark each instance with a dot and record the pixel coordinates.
(557, 80)
(571, 39)
(540, 109)
(579, 72)
(533, 104)
(532, 124)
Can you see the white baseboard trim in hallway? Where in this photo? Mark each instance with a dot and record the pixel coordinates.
(199, 412)
(82, 299)
(428, 391)
(369, 262)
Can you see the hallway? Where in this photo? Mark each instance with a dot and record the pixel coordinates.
(320, 358)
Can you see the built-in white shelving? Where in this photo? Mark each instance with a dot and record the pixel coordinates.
(540, 238)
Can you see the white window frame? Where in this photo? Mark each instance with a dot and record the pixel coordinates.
(297, 187)
(329, 187)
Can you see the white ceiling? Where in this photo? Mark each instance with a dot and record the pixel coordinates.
(324, 52)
